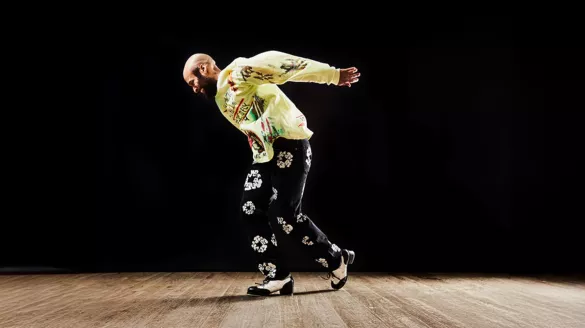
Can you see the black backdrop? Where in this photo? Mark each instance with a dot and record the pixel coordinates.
(457, 150)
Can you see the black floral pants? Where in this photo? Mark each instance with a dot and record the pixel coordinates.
(271, 210)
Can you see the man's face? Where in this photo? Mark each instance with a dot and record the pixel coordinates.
(202, 78)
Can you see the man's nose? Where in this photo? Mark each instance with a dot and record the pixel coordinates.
(196, 89)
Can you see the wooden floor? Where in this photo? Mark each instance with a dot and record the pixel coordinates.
(206, 299)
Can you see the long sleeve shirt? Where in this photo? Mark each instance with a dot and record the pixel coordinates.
(249, 97)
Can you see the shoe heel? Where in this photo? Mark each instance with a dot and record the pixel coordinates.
(350, 257)
(287, 289)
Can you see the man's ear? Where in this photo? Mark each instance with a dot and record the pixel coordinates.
(202, 67)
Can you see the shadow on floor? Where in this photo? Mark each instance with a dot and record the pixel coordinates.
(178, 302)
(109, 309)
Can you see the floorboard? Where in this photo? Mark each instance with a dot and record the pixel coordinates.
(218, 299)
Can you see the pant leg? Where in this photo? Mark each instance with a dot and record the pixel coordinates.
(256, 198)
(290, 167)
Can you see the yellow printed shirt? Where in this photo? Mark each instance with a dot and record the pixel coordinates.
(249, 97)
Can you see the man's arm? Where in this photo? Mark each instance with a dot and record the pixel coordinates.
(278, 68)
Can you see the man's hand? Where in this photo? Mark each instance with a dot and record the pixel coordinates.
(347, 76)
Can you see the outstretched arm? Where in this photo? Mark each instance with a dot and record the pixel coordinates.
(278, 68)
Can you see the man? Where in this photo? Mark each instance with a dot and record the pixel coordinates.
(247, 94)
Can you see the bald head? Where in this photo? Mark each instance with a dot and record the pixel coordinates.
(200, 73)
(194, 61)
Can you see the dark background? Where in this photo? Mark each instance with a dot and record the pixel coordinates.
(458, 150)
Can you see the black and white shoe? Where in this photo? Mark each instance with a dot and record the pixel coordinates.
(339, 276)
(269, 286)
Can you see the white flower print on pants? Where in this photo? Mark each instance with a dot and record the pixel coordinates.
(267, 268)
(284, 159)
(323, 262)
(309, 156)
(256, 181)
(286, 227)
(301, 218)
(274, 195)
(273, 240)
(249, 208)
(259, 244)
(335, 248)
